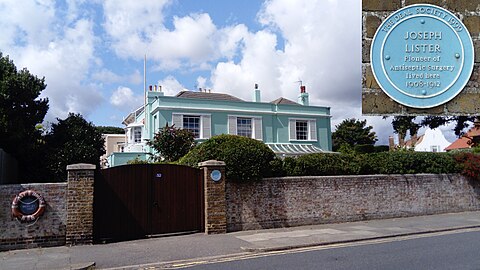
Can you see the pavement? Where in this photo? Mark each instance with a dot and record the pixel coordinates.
(185, 250)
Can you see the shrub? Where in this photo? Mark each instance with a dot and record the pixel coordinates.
(171, 143)
(352, 163)
(245, 158)
(408, 162)
(469, 164)
(364, 148)
(325, 164)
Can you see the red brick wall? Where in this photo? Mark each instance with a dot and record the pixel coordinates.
(49, 230)
(293, 201)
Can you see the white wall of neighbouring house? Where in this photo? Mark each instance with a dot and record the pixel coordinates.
(433, 141)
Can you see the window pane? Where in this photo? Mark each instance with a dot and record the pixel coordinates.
(301, 129)
(137, 134)
(244, 127)
(192, 123)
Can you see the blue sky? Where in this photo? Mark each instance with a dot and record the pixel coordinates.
(91, 52)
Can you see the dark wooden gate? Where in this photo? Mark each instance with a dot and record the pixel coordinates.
(135, 201)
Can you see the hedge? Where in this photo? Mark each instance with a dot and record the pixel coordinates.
(400, 162)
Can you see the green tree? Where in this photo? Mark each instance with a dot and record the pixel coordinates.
(110, 130)
(402, 124)
(353, 132)
(171, 143)
(72, 140)
(21, 110)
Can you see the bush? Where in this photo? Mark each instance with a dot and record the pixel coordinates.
(245, 158)
(469, 164)
(408, 162)
(364, 148)
(326, 164)
(352, 163)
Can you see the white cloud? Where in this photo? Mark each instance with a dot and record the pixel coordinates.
(108, 76)
(46, 46)
(124, 98)
(170, 86)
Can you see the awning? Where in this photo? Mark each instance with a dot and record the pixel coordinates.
(289, 149)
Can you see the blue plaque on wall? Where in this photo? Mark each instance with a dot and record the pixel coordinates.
(422, 56)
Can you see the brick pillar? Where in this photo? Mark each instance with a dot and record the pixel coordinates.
(80, 204)
(215, 199)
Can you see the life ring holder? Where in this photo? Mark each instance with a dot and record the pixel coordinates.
(16, 213)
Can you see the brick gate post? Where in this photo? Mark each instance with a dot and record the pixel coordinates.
(215, 199)
(79, 228)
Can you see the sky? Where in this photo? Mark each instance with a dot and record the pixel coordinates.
(91, 52)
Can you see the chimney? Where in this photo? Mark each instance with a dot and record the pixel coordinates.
(150, 88)
(391, 143)
(303, 97)
(256, 94)
(155, 88)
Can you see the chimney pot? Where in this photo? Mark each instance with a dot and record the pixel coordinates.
(155, 88)
(303, 89)
(150, 87)
(256, 86)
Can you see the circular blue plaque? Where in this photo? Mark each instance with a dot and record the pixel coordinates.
(422, 56)
(216, 175)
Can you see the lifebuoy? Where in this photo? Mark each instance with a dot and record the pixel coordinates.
(21, 216)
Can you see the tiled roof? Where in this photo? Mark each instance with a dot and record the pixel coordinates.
(462, 142)
(410, 143)
(203, 95)
(282, 100)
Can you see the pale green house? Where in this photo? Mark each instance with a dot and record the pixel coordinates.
(287, 127)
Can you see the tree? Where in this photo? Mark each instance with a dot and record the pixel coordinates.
(353, 132)
(21, 110)
(402, 124)
(171, 143)
(110, 130)
(72, 140)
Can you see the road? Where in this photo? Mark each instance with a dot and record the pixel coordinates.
(454, 250)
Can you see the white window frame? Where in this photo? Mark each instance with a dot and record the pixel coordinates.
(311, 129)
(205, 123)
(257, 125)
(134, 133)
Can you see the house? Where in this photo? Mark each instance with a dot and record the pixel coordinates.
(113, 143)
(465, 142)
(432, 140)
(287, 127)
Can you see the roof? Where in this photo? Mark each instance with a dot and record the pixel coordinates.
(282, 100)
(410, 142)
(463, 142)
(289, 149)
(204, 95)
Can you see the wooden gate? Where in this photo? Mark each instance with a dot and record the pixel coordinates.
(135, 201)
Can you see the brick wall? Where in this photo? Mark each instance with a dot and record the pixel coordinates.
(293, 201)
(375, 101)
(49, 230)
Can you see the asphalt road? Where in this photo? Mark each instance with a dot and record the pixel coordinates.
(452, 251)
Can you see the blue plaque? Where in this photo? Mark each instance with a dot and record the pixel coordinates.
(422, 56)
(216, 175)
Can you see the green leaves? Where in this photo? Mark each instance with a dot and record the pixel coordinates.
(72, 140)
(171, 143)
(353, 132)
(245, 158)
(21, 110)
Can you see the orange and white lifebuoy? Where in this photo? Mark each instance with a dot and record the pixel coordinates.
(23, 217)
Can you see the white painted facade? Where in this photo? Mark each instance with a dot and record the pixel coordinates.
(432, 141)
